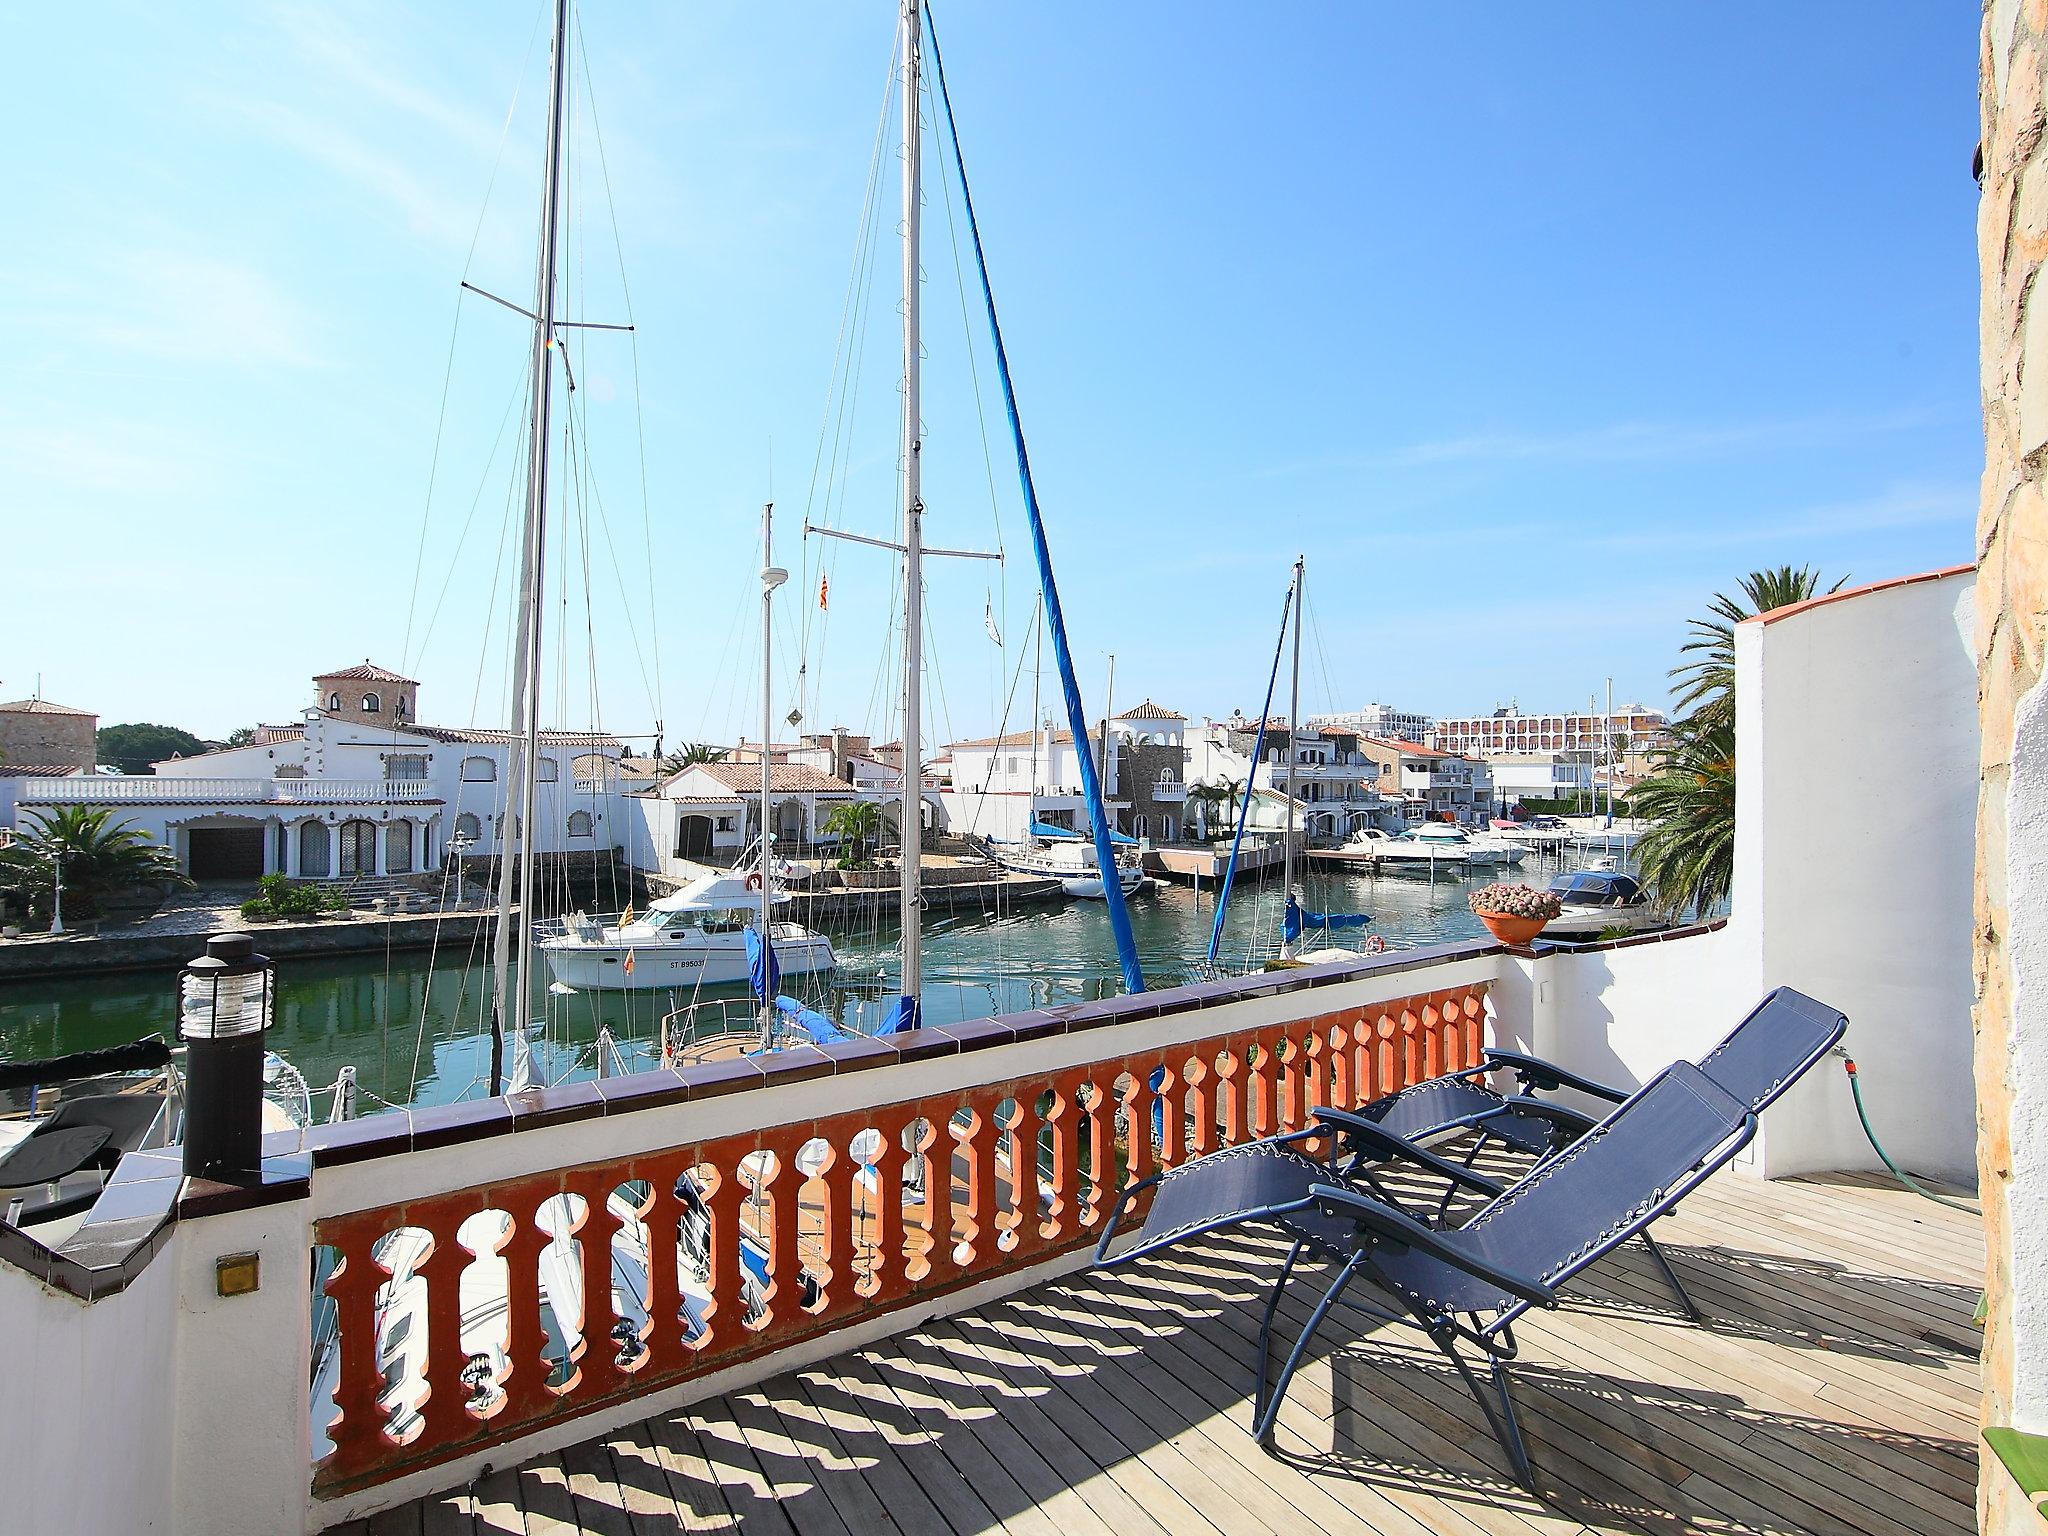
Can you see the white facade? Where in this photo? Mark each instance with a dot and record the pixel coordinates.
(1334, 777)
(1540, 775)
(1632, 730)
(1000, 785)
(337, 799)
(1381, 720)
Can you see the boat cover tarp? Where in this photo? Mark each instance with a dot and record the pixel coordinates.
(1048, 830)
(135, 1056)
(821, 1029)
(762, 969)
(903, 1014)
(1297, 919)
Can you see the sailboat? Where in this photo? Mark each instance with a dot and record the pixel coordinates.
(700, 935)
(1296, 920)
(914, 25)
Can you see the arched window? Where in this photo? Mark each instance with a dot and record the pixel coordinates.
(579, 824)
(371, 704)
(358, 848)
(398, 848)
(478, 770)
(547, 769)
(313, 849)
(469, 828)
(334, 701)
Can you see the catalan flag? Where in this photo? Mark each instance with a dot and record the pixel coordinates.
(824, 587)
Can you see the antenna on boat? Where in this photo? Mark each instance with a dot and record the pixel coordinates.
(512, 956)
(772, 576)
(1293, 757)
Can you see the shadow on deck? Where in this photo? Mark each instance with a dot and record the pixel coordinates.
(1835, 1389)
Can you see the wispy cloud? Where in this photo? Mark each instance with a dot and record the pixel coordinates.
(1909, 505)
(1638, 442)
(174, 302)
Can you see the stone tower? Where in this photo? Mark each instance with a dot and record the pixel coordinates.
(367, 695)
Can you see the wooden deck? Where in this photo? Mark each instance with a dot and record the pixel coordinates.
(1835, 1390)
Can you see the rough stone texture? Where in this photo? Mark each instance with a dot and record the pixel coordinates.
(36, 735)
(2012, 632)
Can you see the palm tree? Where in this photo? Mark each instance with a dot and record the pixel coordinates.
(1708, 682)
(1687, 857)
(99, 859)
(691, 754)
(856, 823)
(1209, 801)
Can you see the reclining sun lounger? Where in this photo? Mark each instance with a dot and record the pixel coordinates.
(1470, 1283)
(1756, 1061)
(1276, 1180)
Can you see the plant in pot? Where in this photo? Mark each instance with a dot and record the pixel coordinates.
(1514, 914)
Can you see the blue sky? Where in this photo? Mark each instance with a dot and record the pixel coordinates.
(1531, 329)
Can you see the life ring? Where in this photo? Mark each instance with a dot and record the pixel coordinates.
(754, 881)
(1375, 945)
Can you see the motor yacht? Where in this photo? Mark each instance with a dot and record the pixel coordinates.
(1598, 901)
(697, 937)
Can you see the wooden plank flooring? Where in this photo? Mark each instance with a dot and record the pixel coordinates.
(1835, 1389)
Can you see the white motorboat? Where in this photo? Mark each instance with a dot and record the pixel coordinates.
(1545, 833)
(1430, 846)
(1598, 901)
(1071, 861)
(697, 937)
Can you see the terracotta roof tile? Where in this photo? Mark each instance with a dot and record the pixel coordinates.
(368, 672)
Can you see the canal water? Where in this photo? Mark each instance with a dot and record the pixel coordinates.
(411, 1022)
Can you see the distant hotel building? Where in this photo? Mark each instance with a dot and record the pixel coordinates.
(1511, 731)
(1382, 721)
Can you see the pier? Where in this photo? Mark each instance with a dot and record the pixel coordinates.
(1205, 865)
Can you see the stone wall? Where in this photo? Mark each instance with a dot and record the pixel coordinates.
(44, 739)
(2011, 909)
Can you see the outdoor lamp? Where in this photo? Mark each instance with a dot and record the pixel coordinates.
(224, 1007)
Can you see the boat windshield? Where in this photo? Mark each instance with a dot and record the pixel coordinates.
(671, 917)
(1596, 888)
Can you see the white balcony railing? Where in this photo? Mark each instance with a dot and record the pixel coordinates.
(145, 789)
(1169, 790)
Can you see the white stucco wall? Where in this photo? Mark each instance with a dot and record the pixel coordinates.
(85, 1444)
(1856, 813)
(2026, 946)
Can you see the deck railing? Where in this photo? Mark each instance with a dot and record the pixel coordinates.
(761, 1236)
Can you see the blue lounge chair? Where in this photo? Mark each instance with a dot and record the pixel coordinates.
(1773, 1046)
(1469, 1284)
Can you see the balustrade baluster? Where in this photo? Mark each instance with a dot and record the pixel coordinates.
(1101, 1151)
(526, 1372)
(1411, 1047)
(1336, 1035)
(445, 1415)
(836, 1228)
(726, 1200)
(597, 1369)
(1432, 1038)
(785, 1208)
(1202, 1103)
(660, 1216)
(1231, 1071)
(358, 1433)
(888, 1266)
(1171, 1096)
(984, 1200)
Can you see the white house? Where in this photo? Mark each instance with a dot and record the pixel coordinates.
(1541, 775)
(1333, 776)
(1002, 784)
(357, 787)
(1429, 784)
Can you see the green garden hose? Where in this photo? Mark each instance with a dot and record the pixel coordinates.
(1905, 1178)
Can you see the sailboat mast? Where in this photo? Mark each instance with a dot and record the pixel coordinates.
(1293, 754)
(911, 778)
(512, 953)
(771, 578)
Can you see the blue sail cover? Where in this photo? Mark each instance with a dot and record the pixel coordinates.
(762, 970)
(903, 1014)
(821, 1029)
(1297, 919)
(1046, 829)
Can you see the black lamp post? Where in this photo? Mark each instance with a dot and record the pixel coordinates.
(224, 1007)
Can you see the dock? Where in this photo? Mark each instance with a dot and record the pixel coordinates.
(1204, 865)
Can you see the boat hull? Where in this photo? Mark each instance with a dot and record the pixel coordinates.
(602, 966)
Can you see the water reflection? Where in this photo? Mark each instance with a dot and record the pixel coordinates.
(411, 1023)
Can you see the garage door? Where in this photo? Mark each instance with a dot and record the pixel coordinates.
(226, 853)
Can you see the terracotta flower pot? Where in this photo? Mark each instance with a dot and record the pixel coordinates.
(1518, 931)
